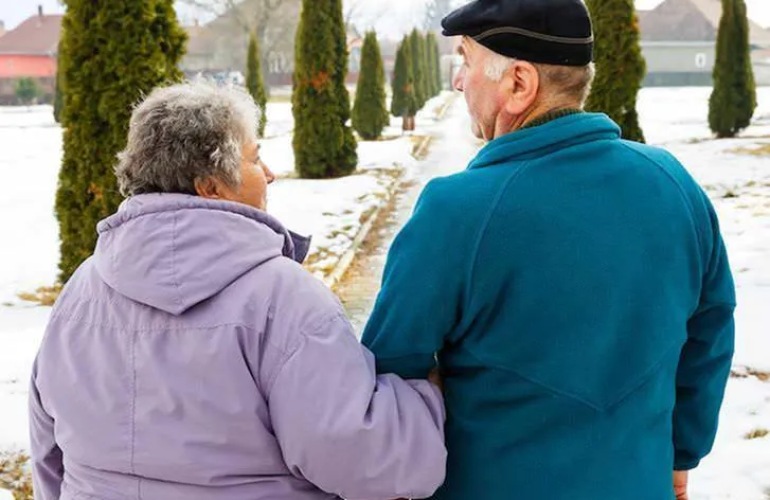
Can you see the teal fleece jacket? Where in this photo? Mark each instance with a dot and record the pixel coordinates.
(575, 291)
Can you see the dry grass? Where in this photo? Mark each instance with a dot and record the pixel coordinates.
(750, 372)
(420, 146)
(757, 434)
(44, 296)
(759, 150)
(14, 475)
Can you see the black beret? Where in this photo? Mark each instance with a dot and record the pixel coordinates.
(540, 31)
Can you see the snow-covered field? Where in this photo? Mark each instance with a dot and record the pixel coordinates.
(739, 184)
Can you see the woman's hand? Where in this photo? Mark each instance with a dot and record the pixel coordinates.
(435, 378)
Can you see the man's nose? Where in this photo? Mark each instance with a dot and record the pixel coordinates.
(458, 80)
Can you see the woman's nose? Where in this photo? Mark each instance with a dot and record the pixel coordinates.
(269, 175)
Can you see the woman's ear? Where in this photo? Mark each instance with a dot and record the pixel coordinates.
(208, 188)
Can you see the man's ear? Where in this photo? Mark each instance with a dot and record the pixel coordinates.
(522, 82)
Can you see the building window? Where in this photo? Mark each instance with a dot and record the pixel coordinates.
(700, 60)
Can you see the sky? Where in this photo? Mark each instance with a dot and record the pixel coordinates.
(401, 14)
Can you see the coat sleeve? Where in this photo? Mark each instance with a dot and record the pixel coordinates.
(353, 433)
(46, 457)
(706, 358)
(419, 304)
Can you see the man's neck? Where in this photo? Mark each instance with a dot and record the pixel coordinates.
(539, 115)
(550, 116)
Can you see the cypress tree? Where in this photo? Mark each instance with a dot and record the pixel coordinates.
(734, 97)
(255, 82)
(112, 53)
(58, 84)
(57, 98)
(435, 59)
(404, 103)
(620, 67)
(418, 68)
(324, 145)
(427, 67)
(370, 114)
(349, 151)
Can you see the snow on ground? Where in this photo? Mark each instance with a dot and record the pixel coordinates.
(739, 186)
(738, 183)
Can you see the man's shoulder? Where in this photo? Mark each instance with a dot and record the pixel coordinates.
(464, 190)
(665, 163)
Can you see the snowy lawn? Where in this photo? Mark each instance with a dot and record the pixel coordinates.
(737, 181)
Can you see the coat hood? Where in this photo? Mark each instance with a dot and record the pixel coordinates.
(173, 251)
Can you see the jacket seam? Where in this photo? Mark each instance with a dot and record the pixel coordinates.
(133, 403)
(639, 382)
(174, 280)
(485, 226)
(75, 317)
(304, 333)
(684, 198)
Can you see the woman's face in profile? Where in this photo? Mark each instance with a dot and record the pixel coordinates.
(255, 176)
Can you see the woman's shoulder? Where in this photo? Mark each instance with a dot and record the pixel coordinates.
(290, 294)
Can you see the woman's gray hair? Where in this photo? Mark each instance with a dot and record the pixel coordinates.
(183, 133)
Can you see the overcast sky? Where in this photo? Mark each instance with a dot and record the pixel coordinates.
(400, 15)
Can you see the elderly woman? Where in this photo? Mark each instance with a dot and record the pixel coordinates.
(193, 358)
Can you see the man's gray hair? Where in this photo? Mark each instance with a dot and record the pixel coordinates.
(572, 82)
(183, 133)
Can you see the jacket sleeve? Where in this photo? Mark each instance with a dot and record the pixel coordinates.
(419, 304)
(706, 358)
(353, 433)
(47, 465)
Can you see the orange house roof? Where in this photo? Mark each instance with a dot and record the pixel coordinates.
(38, 35)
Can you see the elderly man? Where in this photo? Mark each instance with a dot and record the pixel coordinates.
(572, 287)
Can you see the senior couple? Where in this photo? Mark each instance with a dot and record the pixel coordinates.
(571, 288)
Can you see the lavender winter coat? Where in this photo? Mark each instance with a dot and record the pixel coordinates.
(193, 358)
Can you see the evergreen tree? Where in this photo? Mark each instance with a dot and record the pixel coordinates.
(435, 64)
(349, 151)
(404, 103)
(418, 68)
(57, 98)
(324, 145)
(58, 84)
(620, 67)
(370, 112)
(27, 90)
(427, 67)
(734, 97)
(255, 82)
(112, 53)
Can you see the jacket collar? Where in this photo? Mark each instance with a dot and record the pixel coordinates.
(533, 142)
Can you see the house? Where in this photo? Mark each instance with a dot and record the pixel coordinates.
(220, 46)
(679, 43)
(29, 51)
